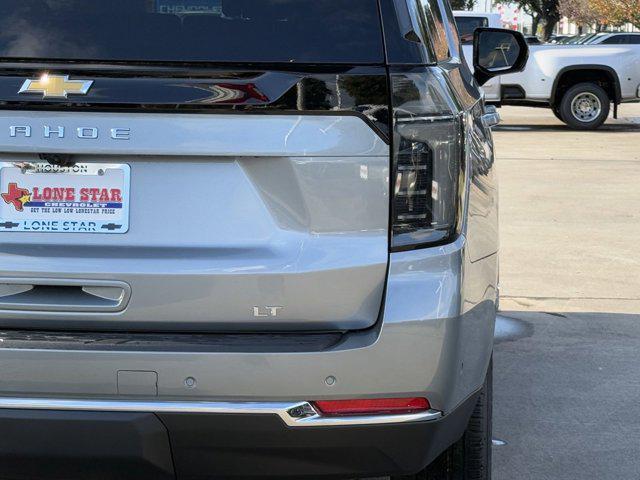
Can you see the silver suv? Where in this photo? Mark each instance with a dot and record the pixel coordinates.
(246, 238)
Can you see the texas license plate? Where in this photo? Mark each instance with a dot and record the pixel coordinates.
(82, 198)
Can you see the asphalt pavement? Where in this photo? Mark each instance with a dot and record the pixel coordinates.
(569, 212)
(566, 390)
(567, 356)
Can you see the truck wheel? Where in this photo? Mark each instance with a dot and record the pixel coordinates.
(470, 457)
(585, 106)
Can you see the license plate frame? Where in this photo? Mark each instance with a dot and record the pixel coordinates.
(81, 198)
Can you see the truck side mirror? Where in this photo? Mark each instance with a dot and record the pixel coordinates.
(498, 51)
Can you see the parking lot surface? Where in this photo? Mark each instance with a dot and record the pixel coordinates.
(569, 213)
(566, 394)
(566, 381)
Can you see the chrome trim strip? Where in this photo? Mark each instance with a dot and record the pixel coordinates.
(285, 411)
(422, 118)
(319, 420)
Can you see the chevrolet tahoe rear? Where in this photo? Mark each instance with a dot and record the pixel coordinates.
(244, 239)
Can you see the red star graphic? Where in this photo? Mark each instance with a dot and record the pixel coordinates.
(15, 195)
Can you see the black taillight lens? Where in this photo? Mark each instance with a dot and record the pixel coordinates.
(426, 163)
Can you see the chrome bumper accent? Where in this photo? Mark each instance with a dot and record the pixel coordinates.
(491, 117)
(300, 414)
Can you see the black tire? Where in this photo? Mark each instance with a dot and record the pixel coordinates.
(586, 90)
(470, 457)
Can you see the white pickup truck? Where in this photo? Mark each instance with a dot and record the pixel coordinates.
(578, 82)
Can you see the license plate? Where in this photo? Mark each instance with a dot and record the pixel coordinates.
(83, 198)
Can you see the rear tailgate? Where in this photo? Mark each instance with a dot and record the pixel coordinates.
(231, 168)
(236, 222)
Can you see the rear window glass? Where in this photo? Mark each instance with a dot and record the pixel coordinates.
(305, 31)
(468, 25)
(622, 40)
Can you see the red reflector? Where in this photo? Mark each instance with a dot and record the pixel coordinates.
(372, 406)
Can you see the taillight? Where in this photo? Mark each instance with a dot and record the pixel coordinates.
(426, 163)
(373, 406)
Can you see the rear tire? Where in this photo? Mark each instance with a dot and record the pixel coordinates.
(585, 106)
(470, 457)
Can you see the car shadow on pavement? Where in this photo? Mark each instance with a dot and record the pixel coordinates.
(566, 390)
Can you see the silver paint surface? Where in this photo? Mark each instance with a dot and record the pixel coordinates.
(227, 212)
(300, 219)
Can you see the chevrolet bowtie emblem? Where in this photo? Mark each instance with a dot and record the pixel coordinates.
(56, 86)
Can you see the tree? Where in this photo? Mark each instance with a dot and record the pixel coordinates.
(462, 4)
(582, 12)
(634, 12)
(601, 12)
(535, 22)
(545, 12)
(618, 12)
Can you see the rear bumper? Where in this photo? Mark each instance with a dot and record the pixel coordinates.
(435, 342)
(167, 445)
(293, 414)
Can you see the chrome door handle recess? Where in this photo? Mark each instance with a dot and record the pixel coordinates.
(62, 295)
(491, 117)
